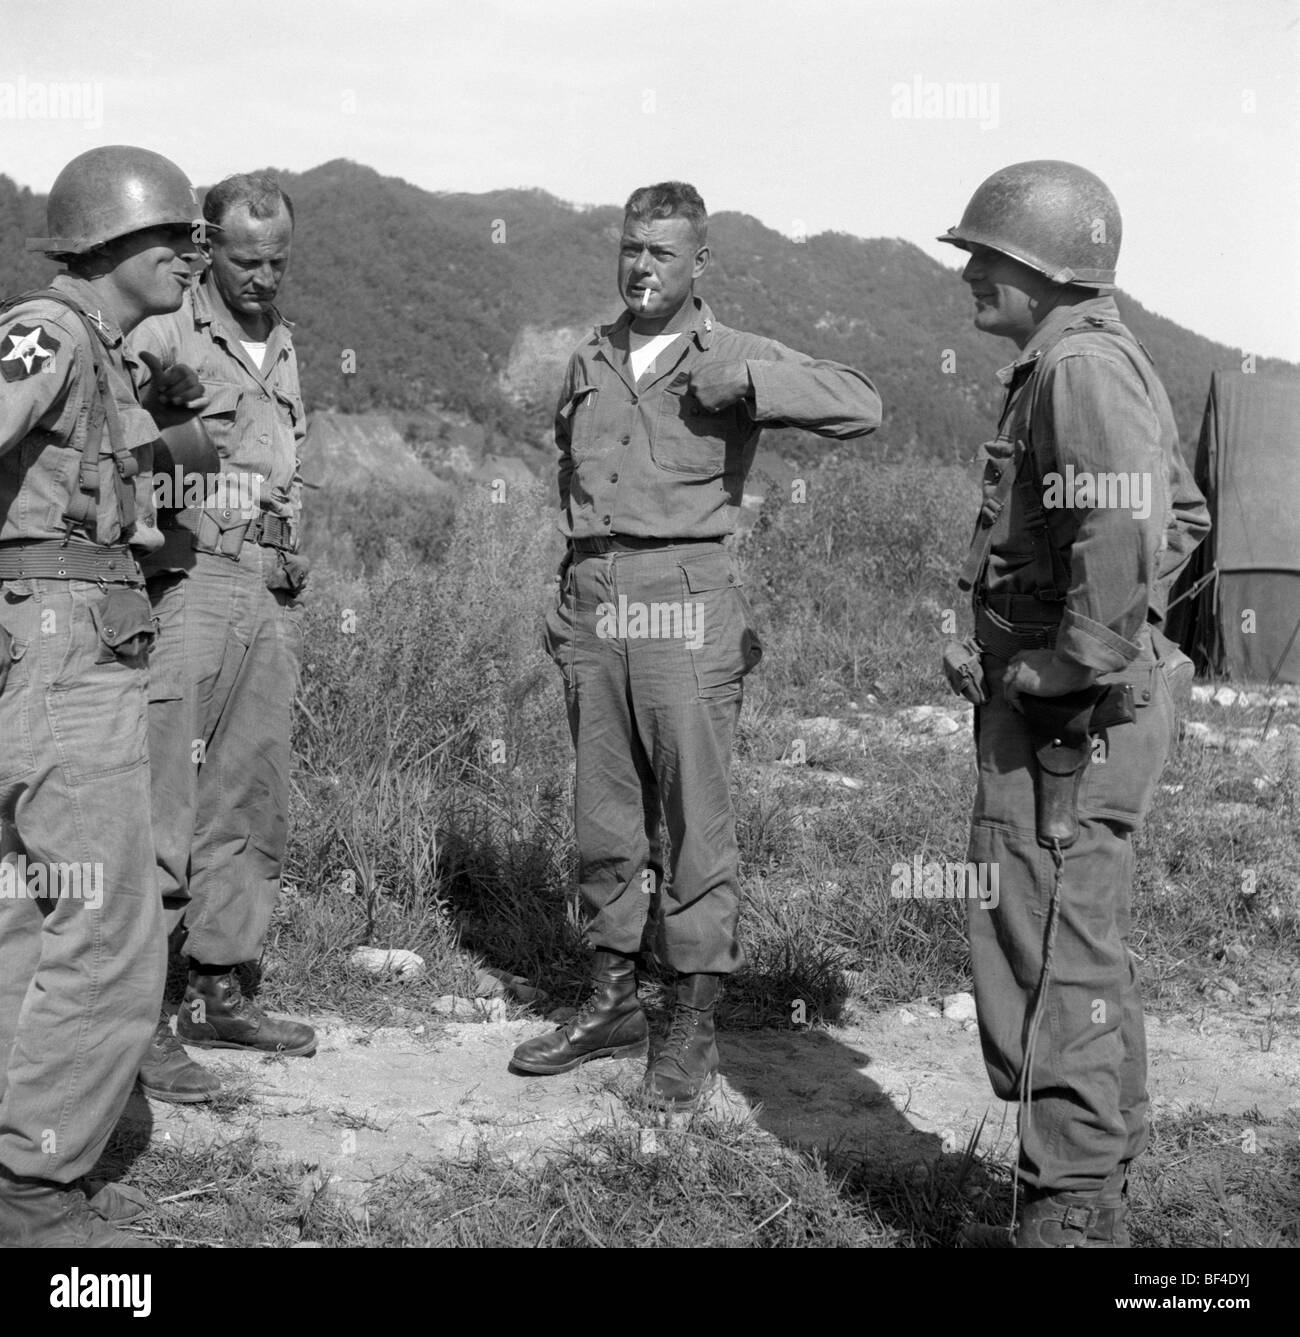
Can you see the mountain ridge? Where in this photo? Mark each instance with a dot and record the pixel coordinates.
(411, 300)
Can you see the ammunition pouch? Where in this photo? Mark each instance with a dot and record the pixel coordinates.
(289, 573)
(219, 531)
(272, 531)
(125, 623)
(963, 666)
(225, 530)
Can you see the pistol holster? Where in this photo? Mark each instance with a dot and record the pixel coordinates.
(1059, 728)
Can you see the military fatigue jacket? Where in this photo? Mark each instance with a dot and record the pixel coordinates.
(646, 459)
(1104, 513)
(254, 417)
(47, 389)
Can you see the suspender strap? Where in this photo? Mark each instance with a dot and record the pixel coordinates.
(999, 478)
(87, 505)
(125, 464)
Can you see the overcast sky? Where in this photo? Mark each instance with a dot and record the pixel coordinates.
(803, 114)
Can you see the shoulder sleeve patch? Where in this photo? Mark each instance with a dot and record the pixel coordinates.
(27, 350)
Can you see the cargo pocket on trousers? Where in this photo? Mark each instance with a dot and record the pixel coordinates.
(11, 653)
(558, 628)
(718, 625)
(16, 755)
(124, 620)
(167, 660)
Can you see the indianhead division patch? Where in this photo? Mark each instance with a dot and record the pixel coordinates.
(26, 350)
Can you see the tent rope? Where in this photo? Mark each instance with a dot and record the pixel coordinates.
(1194, 589)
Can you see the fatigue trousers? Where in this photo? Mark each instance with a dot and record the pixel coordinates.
(222, 684)
(653, 645)
(80, 977)
(1087, 1087)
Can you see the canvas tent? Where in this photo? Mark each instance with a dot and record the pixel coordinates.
(1244, 623)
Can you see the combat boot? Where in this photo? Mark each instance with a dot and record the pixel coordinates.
(115, 1203)
(609, 1025)
(216, 1015)
(168, 1073)
(686, 1064)
(1071, 1221)
(1114, 1194)
(40, 1214)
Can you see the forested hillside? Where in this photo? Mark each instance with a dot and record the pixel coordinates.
(405, 299)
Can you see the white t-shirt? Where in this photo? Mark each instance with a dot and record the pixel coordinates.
(255, 351)
(643, 349)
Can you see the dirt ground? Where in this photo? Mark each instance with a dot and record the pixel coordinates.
(903, 1086)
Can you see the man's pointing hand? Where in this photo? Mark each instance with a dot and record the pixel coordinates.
(173, 386)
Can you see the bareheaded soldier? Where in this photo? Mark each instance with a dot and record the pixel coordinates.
(657, 425)
(225, 587)
(82, 950)
(1088, 515)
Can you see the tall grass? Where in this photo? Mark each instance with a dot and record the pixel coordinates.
(432, 796)
(431, 810)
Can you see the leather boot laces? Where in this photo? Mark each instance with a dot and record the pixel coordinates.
(77, 1206)
(167, 1041)
(590, 1007)
(237, 1004)
(682, 1027)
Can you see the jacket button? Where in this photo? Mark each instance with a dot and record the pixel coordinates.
(731, 578)
(613, 478)
(604, 519)
(624, 439)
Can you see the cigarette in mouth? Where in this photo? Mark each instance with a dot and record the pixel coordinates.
(645, 297)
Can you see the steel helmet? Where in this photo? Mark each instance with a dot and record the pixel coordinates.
(1053, 216)
(111, 192)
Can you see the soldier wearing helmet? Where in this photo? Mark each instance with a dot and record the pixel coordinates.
(1088, 515)
(81, 940)
(225, 587)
